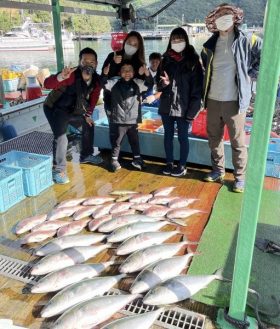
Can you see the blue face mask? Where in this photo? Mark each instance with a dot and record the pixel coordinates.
(87, 69)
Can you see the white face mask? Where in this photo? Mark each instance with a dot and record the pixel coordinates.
(224, 23)
(178, 47)
(130, 50)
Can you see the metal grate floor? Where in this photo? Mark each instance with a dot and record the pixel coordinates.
(172, 318)
(16, 269)
(35, 142)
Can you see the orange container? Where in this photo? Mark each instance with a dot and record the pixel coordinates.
(199, 126)
(150, 125)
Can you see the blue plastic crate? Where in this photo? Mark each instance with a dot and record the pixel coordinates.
(36, 170)
(273, 158)
(274, 145)
(11, 187)
(10, 84)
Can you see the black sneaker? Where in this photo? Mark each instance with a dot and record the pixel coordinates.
(138, 163)
(179, 171)
(168, 168)
(115, 165)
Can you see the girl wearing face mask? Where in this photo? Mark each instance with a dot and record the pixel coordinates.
(229, 59)
(180, 81)
(132, 50)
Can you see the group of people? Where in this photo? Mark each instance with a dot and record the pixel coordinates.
(179, 82)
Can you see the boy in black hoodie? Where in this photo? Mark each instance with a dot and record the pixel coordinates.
(125, 110)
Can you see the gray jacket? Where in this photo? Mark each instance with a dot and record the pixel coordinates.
(126, 99)
(247, 58)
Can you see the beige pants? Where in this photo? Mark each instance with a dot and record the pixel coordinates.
(220, 114)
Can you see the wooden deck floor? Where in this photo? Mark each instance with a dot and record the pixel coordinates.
(88, 181)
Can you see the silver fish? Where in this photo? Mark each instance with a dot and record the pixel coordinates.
(95, 223)
(179, 288)
(180, 202)
(71, 202)
(117, 222)
(130, 230)
(159, 272)
(102, 210)
(163, 191)
(49, 225)
(120, 206)
(97, 200)
(62, 212)
(140, 206)
(73, 227)
(141, 258)
(84, 212)
(90, 313)
(28, 223)
(65, 258)
(182, 213)
(156, 211)
(144, 240)
(79, 292)
(142, 321)
(37, 236)
(62, 278)
(65, 242)
(140, 198)
(124, 213)
(165, 199)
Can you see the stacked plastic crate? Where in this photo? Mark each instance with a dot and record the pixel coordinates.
(23, 174)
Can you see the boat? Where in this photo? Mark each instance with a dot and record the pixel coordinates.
(31, 37)
(19, 39)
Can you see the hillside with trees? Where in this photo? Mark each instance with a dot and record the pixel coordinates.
(180, 11)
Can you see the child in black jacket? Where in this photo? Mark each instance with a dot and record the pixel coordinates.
(125, 110)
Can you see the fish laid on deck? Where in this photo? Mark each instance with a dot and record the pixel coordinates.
(179, 288)
(90, 313)
(139, 259)
(65, 242)
(79, 292)
(159, 272)
(67, 257)
(69, 275)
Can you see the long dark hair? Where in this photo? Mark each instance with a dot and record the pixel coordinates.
(189, 52)
(140, 54)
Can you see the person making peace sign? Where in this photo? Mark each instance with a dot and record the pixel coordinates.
(72, 100)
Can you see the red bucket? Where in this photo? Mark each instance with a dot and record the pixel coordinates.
(199, 126)
(117, 40)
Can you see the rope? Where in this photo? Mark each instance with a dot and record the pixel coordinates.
(240, 324)
(244, 324)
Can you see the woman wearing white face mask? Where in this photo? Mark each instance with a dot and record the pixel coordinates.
(180, 81)
(132, 50)
(228, 62)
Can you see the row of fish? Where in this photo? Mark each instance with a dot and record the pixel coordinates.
(80, 288)
(104, 214)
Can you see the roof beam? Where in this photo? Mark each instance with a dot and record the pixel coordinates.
(71, 10)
